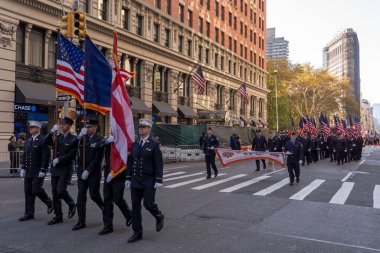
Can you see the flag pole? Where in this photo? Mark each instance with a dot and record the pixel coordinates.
(188, 77)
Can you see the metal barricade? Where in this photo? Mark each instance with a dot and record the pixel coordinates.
(11, 160)
(190, 153)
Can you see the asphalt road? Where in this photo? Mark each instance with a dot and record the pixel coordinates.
(333, 209)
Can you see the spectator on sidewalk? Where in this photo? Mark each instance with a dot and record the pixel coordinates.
(12, 148)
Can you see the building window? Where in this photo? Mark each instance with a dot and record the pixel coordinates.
(241, 71)
(181, 13)
(199, 53)
(216, 9)
(235, 46)
(190, 18)
(156, 33)
(207, 53)
(251, 56)
(20, 44)
(262, 25)
(208, 29)
(222, 38)
(254, 38)
(157, 3)
(102, 9)
(246, 10)
(216, 60)
(251, 14)
(246, 32)
(259, 22)
(235, 68)
(125, 17)
(222, 12)
(200, 2)
(140, 25)
(222, 62)
(36, 48)
(230, 19)
(200, 25)
(168, 7)
(167, 38)
(250, 76)
(235, 3)
(241, 6)
(260, 108)
(189, 47)
(252, 105)
(262, 43)
(250, 35)
(254, 18)
(83, 5)
(241, 50)
(52, 52)
(229, 66)
(259, 42)
(254, 58)
(246, 53)
(180, 43)
(157, 79)
(216, 35)
(208, 4)
(262, 6)
(241, 27)
(235, 23)
(230, 43)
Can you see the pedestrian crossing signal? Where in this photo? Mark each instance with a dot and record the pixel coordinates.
(67, 25)
(79, 24)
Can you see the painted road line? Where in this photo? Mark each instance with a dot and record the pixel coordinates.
(189, 182)
(174, 174)
(346, 177)
(307, 190)
(186, 176)
(376, 197)
(342, 194)
(201, 187)
(272, 188)
(244, 184)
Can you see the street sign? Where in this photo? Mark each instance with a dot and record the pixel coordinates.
(64, 98)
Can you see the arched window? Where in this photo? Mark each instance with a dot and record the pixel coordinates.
(157, 78)
(261, 104)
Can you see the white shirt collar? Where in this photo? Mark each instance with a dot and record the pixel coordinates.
(35, 136)
(144, 140)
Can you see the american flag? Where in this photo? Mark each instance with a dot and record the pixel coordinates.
(70, 69)
(200, 80)
(326, 131)
(338, 125)
(293, 125)
(301, 125)
(311, 127)
(358, 126)
(243, 91)
(126, 75)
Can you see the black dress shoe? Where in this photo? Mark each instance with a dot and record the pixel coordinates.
(106, 231)
(291, 184)
(135, 238)
(257, 170)
(160, 223)
(50, 209)
(79, 225)
(208, 177)
(72, 210)
(216, 174)
(26, 217)
(298, 180)
(128, 222)
(55, 220)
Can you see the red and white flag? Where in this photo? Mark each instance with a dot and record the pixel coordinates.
(121, 118)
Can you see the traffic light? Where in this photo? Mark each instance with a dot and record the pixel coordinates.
(79, 24)
(67, 25)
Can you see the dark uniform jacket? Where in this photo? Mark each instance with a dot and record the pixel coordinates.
(259, 143)
(107, 160)
(65, 153)
(93, 153)
(145, 164)
(340, 145)
(36, 157)
(296, 149)
(314, 144)
(209, 142)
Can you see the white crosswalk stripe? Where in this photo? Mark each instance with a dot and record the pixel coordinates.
(174, 174)
(376, 197)
(272, 188)
(308, 189)
(186, 176)
(221, 181)
(190, 181)
(244, 184)
(342, 194)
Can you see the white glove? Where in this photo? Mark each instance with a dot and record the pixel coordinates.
(110, 139)
(109, 177)
(127, 184)
(83, 132)
(309, 150)
(157, 185)
(22, 173)
(300, 162)
(55, 161)
(41, 174)
(211, 148)
(54, 129)
(289, 153)
(85, 175)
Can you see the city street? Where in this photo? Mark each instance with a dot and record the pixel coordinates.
(332, 209)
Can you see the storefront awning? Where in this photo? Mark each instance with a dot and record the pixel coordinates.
(245, 119)
(164, 109)
(187, 112)
(138, 106)
(35, 93)
(254, 120)
(262, 121)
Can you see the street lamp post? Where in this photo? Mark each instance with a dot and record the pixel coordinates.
(275, 85)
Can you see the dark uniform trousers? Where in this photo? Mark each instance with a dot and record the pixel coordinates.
(59, 190)
(113, 193)
(34, 188)
(294, 170)
(93, 185)
(210, 162)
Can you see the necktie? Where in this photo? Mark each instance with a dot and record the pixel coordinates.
(141, 143)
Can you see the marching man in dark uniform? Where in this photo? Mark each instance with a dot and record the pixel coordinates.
(144, 176)
(211, 142)
(113, 191)
(340, 148)
(259, 143)
(61, 169)
(89, 174)
(34, 168)
(294, 151)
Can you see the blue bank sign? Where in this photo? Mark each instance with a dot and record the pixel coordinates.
(30, 108)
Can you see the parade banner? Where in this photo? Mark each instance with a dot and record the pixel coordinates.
(229, 156)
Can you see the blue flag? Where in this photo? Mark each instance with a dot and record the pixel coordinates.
(98, 79)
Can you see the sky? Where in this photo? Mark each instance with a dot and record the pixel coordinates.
(309, 25)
